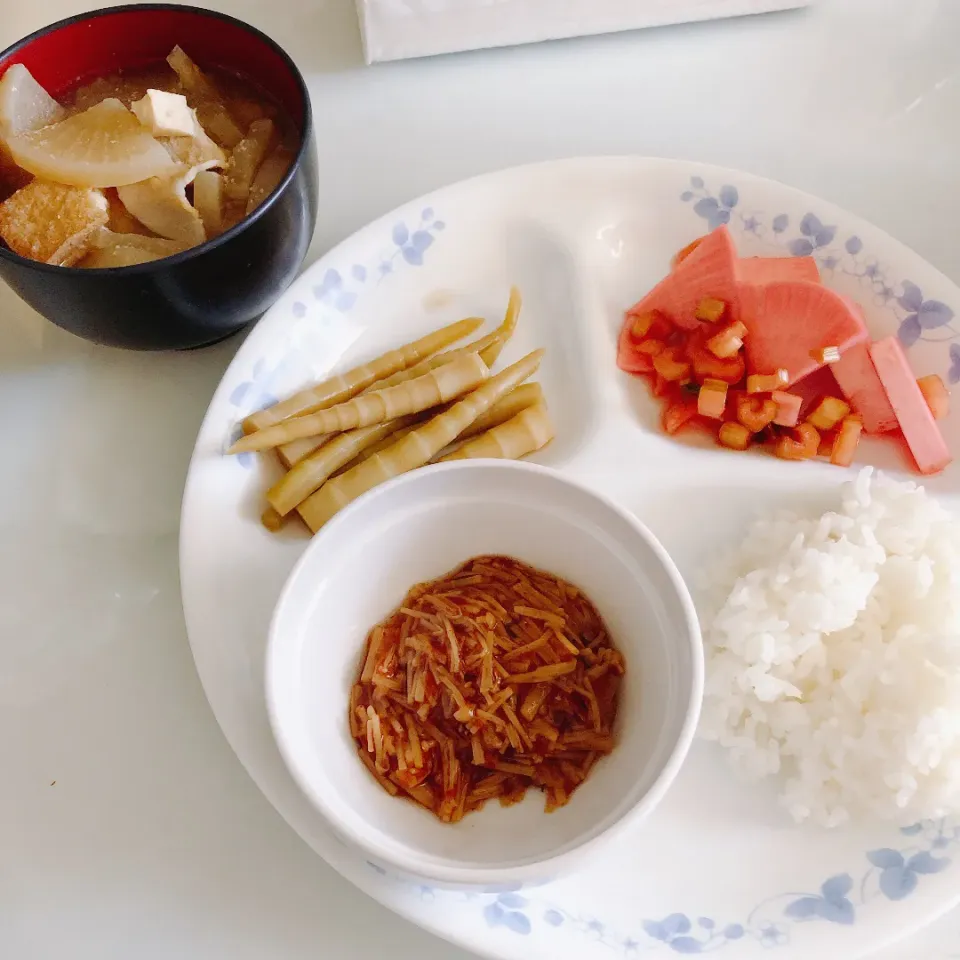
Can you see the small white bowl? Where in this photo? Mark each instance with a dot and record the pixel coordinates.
(418, 527)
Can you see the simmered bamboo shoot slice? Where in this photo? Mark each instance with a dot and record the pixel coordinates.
(161, 204)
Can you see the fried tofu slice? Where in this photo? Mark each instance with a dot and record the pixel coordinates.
(107, 239)
(52, 222)
(126, 249)
(12, 178)
(119, 256)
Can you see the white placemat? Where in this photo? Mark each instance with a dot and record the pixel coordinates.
(398, 29)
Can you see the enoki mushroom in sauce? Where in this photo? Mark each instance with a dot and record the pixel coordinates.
(492, 679)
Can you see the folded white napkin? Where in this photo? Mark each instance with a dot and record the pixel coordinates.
(396, 29)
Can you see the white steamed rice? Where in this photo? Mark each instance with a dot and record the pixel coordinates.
(833, 656)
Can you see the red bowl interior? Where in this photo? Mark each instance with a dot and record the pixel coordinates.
(80, 50)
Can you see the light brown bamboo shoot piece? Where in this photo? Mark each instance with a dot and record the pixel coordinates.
(514, 305)
(375, 448)
(525, 433)
(268, 177)
(309, 474)
(526, 395)
(204, 95)
(488, 348)
(518, 399)
(343, 386)
(438, 386)
(246, 159)
(272, 520)
(417, 448)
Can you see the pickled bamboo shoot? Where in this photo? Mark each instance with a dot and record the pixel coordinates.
(309, 474)
(418, 447)
(488, 348)
(525, 433)
(438, 386)
(346, 385)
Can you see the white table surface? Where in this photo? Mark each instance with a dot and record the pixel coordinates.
(128, 829)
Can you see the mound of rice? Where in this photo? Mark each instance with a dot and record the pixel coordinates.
(833, 656)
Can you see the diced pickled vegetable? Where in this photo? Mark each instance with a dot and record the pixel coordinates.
(662, 387)
(710, 309)
(678, 415)
(767, 383)
(775, 357)
(936, 395)
(788, 408)
(708, 366)
(755, 413)
(682, 255)
(827, 355)
(651, 347)
(670, 365)
(803, 446)
(651, 324)
(712, 399)
(845, 445)
(829, 412)
(727, 342)
(735, 436)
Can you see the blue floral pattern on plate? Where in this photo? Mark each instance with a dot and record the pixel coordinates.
(338, 291)
(889, 874)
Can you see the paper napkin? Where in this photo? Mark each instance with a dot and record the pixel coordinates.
(397, 29)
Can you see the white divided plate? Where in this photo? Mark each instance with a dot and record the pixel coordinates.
(718, 864)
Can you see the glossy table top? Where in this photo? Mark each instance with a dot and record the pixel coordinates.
(128, 828)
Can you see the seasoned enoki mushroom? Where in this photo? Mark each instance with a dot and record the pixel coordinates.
(488, 681)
